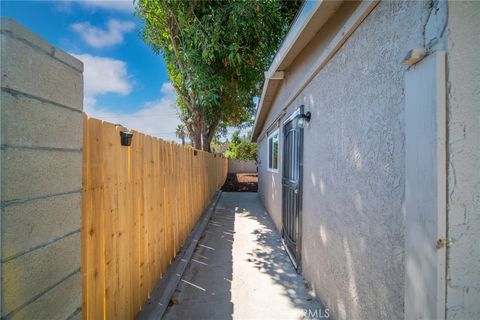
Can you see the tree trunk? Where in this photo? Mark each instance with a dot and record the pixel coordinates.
(206, 142)
(189, 99)
(208, 134)
(197, 141)
(197, 133)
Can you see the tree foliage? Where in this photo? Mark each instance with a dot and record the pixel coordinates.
(216, 53)
(241, 148)
(219, 146)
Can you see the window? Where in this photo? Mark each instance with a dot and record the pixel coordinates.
(273, 151)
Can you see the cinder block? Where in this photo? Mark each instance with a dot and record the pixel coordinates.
(36, 222)
(30, 122)
(28, 173)
(18, 31)
(58, 303)
(9, 25)
(68, 59)
(31, 274)
(77, 316)
(30, 70)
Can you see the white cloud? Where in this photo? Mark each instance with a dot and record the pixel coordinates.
(117, 5)
(120, 6)
(103, 75)
(100, 38)
(106, 75)
(167, 89)
(123, 6)
(157, 118)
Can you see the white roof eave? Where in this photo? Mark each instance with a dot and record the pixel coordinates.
(296, 33)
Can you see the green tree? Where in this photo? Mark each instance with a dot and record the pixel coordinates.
(180, 133)
(219, 146)
(216, 53)
(236, 138)
(241, 148)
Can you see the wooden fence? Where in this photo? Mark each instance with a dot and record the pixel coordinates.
(139, 205)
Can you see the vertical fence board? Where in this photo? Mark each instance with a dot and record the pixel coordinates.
(86, 220)
(139, 205)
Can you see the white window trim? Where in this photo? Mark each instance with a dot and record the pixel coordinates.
(292, 116)
(274, 132)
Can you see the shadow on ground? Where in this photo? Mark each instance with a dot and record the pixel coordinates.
(240, 270)
(204, 291)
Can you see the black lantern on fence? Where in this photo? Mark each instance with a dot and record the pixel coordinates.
(126, 138)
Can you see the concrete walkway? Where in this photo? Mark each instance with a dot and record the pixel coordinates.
(240, 270)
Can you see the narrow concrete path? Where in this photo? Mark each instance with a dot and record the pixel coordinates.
(240, 270)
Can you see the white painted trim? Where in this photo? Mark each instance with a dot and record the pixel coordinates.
(304, 16)
(293, 115)
(441, 98)
(259, 106)
(279, 75)
(425, 188)
(276, 131)
(335, 44)
(352, 23)
(296, 33)
(273, 123)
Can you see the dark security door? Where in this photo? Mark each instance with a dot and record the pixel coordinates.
(292, 188)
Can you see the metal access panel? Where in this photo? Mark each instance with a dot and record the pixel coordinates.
(292, 189)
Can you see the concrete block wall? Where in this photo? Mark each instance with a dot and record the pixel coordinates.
(242, 166)
(41, 177)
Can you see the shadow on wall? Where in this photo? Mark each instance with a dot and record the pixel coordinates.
(358, 244)
(353, 201)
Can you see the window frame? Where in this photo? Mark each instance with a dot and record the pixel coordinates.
(270, 150)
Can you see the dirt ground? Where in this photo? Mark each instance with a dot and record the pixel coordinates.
(241, 182)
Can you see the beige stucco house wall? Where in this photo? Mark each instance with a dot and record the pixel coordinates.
(343, 62)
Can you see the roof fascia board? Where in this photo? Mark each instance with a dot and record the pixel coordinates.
(349, 27)
(279, 75)
(335, 44)
(309, 9)
(297, 37)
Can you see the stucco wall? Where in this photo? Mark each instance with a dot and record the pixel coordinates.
(269, 183)
(463, 117)
(353, 218)
(353, 225)
(272, 191)
(354, 158)
(41, 177)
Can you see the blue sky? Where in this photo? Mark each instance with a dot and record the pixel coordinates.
(125, 82)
